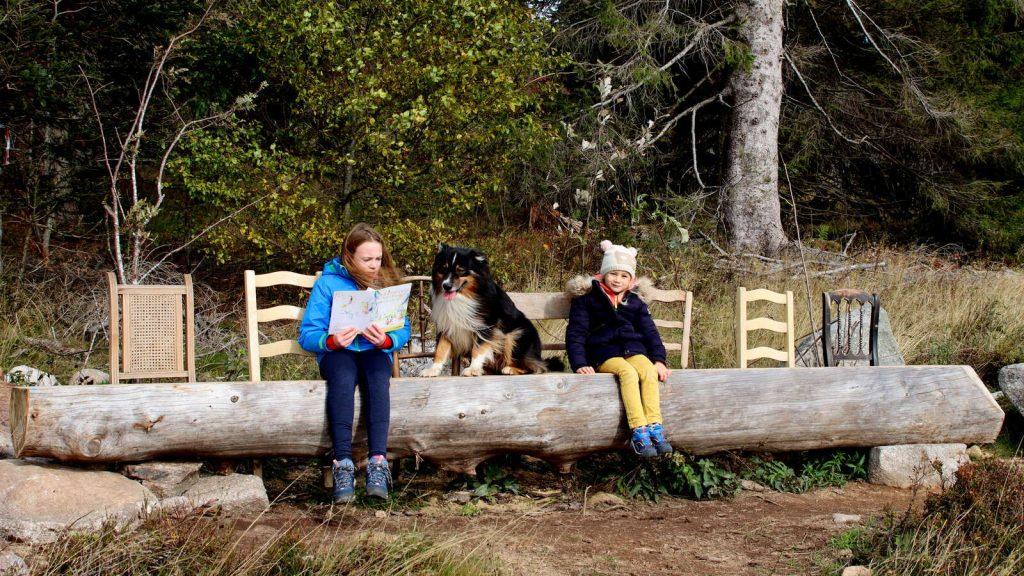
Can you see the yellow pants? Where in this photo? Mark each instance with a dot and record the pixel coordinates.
(638, 384)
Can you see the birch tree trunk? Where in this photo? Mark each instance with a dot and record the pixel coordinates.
(752, 169)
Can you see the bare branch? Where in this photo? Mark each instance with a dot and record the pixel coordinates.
(202, 233)
(828, 118)
(697, 37)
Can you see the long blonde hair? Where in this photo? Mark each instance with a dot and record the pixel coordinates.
(359, 234)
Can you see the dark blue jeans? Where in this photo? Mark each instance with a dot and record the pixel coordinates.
(371, 371)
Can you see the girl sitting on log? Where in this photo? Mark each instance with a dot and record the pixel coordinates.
(349, 358)
(610, 328)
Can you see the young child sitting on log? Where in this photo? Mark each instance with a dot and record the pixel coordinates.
(611, 331)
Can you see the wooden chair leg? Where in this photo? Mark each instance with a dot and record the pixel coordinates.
(257, 468)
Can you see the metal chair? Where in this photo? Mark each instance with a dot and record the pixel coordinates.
(849, 342)
(152, 331)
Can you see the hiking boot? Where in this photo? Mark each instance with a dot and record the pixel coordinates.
(657, 434)
(641, 443)
(378, 477)
(344, 481)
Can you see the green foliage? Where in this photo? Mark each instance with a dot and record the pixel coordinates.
(677, 475)
(974, 527)
(815, 472)
(492, 479)
(410, 115)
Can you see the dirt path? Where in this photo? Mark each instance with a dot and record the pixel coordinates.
(754, 533)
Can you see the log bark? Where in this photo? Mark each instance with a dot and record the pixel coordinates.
(753, 215)
(459, 422)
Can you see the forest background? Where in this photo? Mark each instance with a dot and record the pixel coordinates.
(216, 137)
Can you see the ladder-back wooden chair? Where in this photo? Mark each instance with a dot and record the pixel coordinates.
(152, 331)
(744, 325)
(255, 315)
(853, 310)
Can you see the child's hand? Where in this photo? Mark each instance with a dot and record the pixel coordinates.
(345, 336)
(375, 335)
(663, 371)
(585, 370)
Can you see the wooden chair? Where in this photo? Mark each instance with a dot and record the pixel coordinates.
(743, 326)
(255, 315)
(851, 313)
(555, 306)
(152, 331)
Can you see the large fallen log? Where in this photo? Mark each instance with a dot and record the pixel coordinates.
(458, 422)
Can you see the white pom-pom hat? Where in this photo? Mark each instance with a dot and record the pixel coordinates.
(618, 257)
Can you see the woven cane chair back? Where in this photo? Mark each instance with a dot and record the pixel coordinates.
(152, 331)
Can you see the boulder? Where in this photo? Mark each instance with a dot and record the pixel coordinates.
(846, 518)
(29, 376)
(165, 478)
(856, 571)
(39, 500)
(235, 494)
(908, 465)
(888, 349)
(89, 376)
(751, 486)
(1011, 382)
(12, 565)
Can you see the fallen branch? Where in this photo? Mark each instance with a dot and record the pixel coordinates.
(850, 268)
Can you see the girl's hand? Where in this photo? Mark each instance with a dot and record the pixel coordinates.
(585, 370)
(346, 336)
(375, 335)
(663, 371)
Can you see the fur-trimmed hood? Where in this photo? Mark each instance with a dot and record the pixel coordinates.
(579, 285)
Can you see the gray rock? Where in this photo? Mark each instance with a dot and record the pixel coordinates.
(976, 453)
(235, 494)
(888, 349)
(907, 465)
(857, 571)
(89, 376)
(846, 518)
(413, 366)
(459, 496)
(1011, 382)
(12, 565)
(29, 376)
(39, 500)
(751, 486)
(165, 478)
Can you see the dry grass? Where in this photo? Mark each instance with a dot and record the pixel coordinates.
(941, 312)
(201, 546)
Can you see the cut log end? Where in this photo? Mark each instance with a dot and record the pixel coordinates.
(19, 419)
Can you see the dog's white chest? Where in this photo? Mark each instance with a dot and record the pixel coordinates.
(457, 319)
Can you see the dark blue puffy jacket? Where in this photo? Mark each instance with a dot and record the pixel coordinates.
(597, 331)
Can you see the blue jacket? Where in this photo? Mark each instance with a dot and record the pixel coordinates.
(317, 318)
(597, 331)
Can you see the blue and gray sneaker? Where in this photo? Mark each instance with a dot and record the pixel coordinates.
(657, 434)
(344, 481)
(641, 443)
(378, 477)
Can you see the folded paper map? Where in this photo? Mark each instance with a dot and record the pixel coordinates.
(360, 308)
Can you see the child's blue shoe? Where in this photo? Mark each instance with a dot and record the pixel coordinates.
(378, 477)
(657, 434)
(344, 473)
(641, 443)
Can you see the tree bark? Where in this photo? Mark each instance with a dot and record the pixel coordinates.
(459, 422)
(752, 210)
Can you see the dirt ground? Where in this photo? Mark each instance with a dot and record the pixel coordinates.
(548, 534)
